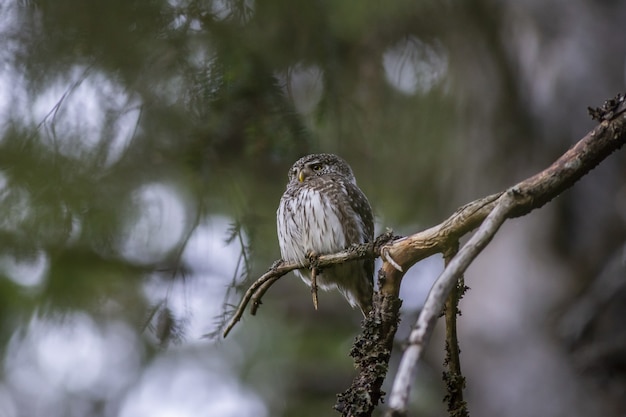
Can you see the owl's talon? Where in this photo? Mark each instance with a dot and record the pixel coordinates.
(276, 264)
(313, 258)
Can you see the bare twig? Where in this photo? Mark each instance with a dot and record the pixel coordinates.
(314, 272)
(453, 377)
(260, 292)
(270, 276)
(260, 286)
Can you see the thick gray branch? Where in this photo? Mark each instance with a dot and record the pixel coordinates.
(526, 196)
(437, 297)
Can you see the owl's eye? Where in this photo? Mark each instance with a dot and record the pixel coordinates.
(316, 167)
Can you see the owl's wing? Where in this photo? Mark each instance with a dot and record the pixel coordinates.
(361, 207)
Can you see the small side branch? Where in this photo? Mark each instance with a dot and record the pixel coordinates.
(275, 272)
(453, 377)
(258, 288)
(314, 287)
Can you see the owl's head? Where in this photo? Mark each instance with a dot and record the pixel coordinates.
(319, 165)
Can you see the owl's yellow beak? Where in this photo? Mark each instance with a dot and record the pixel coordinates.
(301, 175)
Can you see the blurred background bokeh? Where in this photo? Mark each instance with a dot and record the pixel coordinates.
(144, 146)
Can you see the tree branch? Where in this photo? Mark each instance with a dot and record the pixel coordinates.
(280, 268)
(373, 347)
(526, 196)
(530, 194)
(436, 298)
(453, 377)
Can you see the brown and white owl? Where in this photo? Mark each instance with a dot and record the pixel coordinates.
(323, 211)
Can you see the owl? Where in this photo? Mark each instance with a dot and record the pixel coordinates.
(323, 211)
